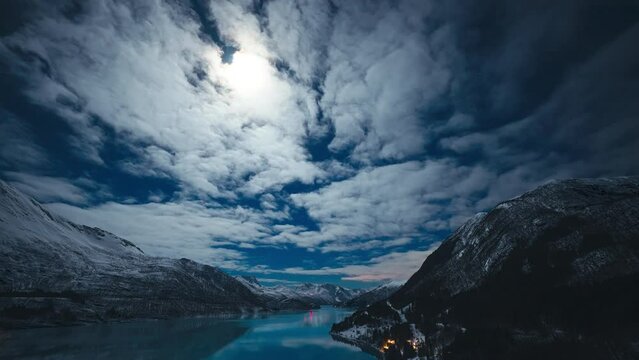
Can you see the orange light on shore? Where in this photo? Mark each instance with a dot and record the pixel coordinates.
(387, 344)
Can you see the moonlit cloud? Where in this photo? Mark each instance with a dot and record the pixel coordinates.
(369, 129)
(391, 201)
(397, 266)
(185, 229)
(18, 148)
(383, 70)
(133, 72)
(47, 188)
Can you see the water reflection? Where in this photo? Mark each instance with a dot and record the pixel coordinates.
(168, 339)
(319, 318)
(281, 336)
(292, 336)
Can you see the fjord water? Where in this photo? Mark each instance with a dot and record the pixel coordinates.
(301, 335)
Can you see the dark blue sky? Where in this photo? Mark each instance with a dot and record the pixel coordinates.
(310, 140)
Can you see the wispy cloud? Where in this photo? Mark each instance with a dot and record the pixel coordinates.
(188, 229)
(48, 188)
(391, 201)
(392, 266)
(18, 149)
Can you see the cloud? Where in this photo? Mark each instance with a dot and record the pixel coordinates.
(586, 127)
(299, 29)
(186, 229)
(134, 73)
(46, 188)
(389, 201)
(275, 282)
(380, 208)
(338, 127)
(366, 245)
(18, 148)
(383, 70)
(392, 266)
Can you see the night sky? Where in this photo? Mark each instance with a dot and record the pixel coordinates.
(324, 141)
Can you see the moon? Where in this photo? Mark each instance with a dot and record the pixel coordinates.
(248, 74)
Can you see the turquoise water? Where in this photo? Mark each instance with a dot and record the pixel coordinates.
(301, 335)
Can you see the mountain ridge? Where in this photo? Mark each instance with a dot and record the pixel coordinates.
(552, 273)
(307, 295)
(56, 272)
(374, 295)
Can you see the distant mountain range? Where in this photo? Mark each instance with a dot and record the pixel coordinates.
(551, 274)
(306, 295)
(56, 272)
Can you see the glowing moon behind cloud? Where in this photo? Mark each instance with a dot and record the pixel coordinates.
(248, 74)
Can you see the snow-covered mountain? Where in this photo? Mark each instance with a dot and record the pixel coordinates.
(551, 274)
(277, 296)
(325, 294)
(53, 271)
(306, 295)
(374, 295)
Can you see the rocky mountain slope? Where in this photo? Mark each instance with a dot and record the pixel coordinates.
(374, 295)
(551, 274)
(56, 272)
(304, 295)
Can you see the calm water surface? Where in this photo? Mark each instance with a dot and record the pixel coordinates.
(281, 336)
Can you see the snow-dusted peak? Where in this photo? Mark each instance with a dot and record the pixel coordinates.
(89, 274)
(310, 293)
(563, 195)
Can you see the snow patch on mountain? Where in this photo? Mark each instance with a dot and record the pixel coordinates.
(311, 294)
(54, 271)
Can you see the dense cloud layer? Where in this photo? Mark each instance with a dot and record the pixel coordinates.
(203, 129)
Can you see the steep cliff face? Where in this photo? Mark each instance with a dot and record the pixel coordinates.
(553, 273)
(56, 272)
